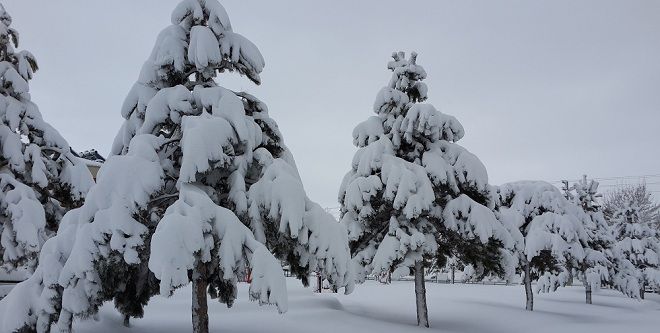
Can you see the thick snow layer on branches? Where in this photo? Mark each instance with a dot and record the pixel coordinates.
(40, 177)
(451, 165)
(168, 103)
(170, 50)
(204, 143)
(216, 42)
(203, 49)
(189, 11)
(279, 198)
(532, 198)
(241, 50)
(425, 121)
(541, 219)
(407, 186)
(23, 223)
(390, 101)
(407, 247)
(104, 224)
(600, 263)
(194, 226)
(37, 152)
(545, 219)
(638, 243)
(28, 304)
(368, 131)
(328, 244)
(474, 221)
(555, 232)
(279, 194)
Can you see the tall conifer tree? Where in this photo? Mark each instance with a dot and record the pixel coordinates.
(413, 195)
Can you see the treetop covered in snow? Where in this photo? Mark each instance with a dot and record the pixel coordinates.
(40, 177)
(200, 43)
(410, 184)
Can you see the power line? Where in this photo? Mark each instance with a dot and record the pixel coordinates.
(617, 185)
(610, 178)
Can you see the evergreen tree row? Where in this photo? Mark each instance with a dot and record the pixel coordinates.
(414, 199)
(201, 189)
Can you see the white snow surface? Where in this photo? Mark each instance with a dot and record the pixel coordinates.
(375, 307)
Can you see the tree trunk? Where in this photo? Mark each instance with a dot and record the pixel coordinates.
(127, 321)
(528, 287)
(420, 295)
(641, 291)
(587, 287)
(453, 274)
(200, 315)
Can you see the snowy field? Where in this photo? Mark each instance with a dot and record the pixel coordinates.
(374, 307)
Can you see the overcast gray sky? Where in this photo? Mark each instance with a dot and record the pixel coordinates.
(545, 89)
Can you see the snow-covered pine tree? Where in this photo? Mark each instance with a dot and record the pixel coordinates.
(547, 230)
(413, 195)
(639, 194)
(199, 183)
(602, 264)
(598, 264)
(264, 189)
(40, 177)
(638, 242)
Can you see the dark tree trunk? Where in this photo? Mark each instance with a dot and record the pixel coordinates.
(127, 321)
(641, 291)
(587, 287)
(200, 314)
(529, 293)
(420, 295)
(453, 275)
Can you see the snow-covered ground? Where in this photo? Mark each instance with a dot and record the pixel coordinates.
(374, 307)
